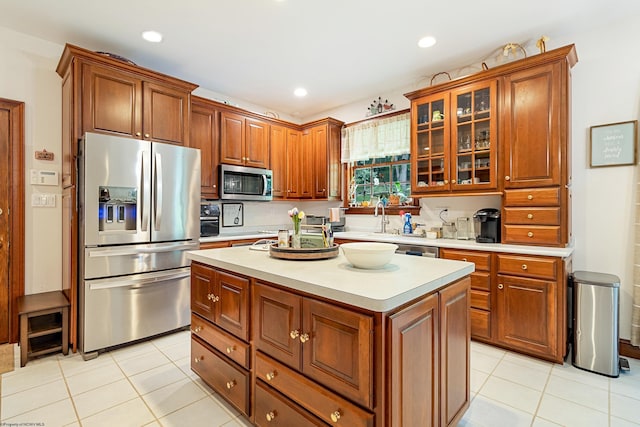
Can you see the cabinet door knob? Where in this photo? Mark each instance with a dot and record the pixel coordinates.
(530, 197)
(335, 416)
(507, 178)
(464, 259)
(231, 349)
(231, 384)
(271, 416)
(146, 135)
(446, 181)
(196, 329)
(530, 216)
(138, 133)
(270, 375)
(294, 334)
(304, 337)
(198, 359)
(500, 286)
(215, 298)
(524, 266)
(530, 234)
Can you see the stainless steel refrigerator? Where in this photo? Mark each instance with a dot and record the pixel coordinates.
(139, 212)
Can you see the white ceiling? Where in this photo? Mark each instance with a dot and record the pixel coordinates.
(342, 51)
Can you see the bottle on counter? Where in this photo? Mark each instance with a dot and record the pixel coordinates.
(408, 228)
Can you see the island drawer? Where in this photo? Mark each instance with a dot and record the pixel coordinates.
(481, 280)
(532, 197)
(234, 348)
(321, 402)
(228, 381)
(480, 323)
(532, 216)
(532, 234)
(480, 259)
(538, 267)
(480, 299)
(273, 409)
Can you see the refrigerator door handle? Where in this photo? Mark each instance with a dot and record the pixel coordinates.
(144, 185)
(158, 193)
(102, 252)
(135, 283)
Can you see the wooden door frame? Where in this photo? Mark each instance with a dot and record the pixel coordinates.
(16, 214)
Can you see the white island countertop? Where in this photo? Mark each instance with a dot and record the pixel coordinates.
(404, 279)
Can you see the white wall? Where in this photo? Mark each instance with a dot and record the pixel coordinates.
(27, 73)
(606, 84)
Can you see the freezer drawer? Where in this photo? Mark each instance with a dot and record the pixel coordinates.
(122, 260)
(118, 310)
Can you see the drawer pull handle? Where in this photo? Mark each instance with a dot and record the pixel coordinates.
(507, 178)
(215, 298)
(271, 375)
(196, 329)
(524, 266)
(530, 197)
(231, 349)
(335, 416)
(271, 416)
(294, 334)
(304, 337)
(530, 216)
(198, 359)
(231, 384)
(530, 234)
(500, 286)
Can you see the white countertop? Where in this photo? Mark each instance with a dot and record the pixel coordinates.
(402, 280)
(456, 244)
(422, 241)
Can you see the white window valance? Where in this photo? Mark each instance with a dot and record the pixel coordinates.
(376, 138)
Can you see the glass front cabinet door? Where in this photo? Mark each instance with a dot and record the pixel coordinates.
(430, 140)
(474, 137)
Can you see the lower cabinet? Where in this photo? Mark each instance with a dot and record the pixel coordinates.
(227, 379)
(313, 362)
(518, 301)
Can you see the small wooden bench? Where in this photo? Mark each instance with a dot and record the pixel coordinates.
(44, 324)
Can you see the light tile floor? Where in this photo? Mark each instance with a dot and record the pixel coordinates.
(151, 384)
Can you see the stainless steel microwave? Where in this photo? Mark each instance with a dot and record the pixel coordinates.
(245, 183)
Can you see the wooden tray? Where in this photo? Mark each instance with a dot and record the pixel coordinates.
(303, 254)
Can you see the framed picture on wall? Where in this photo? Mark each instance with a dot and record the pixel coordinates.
(614, 144)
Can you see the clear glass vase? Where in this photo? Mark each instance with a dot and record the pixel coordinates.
(295, 239)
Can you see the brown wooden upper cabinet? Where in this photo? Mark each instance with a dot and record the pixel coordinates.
(205, 136)
(106, 95)
(454, 138)
(306, 164)
(244, 141)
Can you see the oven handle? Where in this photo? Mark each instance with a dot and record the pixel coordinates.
(142, 280)
(101, 252)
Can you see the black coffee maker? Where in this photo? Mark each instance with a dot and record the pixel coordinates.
(487, 225)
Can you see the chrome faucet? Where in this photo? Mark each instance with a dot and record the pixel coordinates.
(384, 221)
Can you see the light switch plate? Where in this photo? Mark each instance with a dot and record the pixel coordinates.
(43, 200)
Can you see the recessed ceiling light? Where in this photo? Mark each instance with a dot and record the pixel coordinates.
(152, 36)
(300, 92)
(427, 41)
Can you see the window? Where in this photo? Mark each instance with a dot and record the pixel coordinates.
(381, 178)
(376, 154)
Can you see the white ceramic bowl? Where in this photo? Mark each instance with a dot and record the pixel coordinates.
(369, 255)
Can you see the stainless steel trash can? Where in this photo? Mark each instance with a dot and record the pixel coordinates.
(596, 300)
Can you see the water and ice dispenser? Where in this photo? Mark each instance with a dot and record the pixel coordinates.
(117, 208)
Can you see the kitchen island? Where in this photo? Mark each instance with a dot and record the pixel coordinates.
(314, 342)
